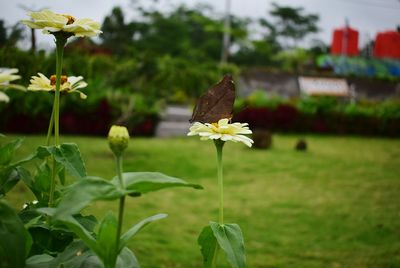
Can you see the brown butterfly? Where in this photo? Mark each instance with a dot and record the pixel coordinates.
(216, 103)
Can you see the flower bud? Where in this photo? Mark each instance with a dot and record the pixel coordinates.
(118, 138)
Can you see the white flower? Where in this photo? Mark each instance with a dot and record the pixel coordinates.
(6, 76)
(4, 97)
(69, 84)
(51, 22)
(223, 131)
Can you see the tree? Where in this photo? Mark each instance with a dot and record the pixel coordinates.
(11, 37)
(3, 33)
(117, 35)
(193, 33)
(291, 24)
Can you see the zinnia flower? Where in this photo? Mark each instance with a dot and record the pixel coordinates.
(69, 84)
(51, 22)
(6, 76)
(223, 131)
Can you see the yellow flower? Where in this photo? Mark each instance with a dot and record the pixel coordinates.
(69, 84)
(223, 131)
(51, 22)
(6, 76)
(118, 138)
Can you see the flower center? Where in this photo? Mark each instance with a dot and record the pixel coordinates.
(70, 19)
(53, 78)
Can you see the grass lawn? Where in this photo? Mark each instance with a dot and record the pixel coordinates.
(337, 205)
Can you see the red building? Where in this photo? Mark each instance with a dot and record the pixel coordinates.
(345, 42)
(387, 45)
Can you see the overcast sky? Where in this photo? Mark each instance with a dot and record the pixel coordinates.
(368, 16)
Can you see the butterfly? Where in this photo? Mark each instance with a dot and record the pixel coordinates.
(216, 103)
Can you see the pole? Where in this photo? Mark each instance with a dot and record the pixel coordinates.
(226, 37)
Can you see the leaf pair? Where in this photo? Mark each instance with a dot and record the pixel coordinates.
(67, 157)
(104, 243)
(80, 194)
(227, 237)
(83, 192)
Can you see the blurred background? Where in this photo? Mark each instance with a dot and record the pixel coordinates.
(301, 69)
(155, 58)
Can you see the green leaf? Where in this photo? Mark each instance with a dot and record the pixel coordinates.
(50, 239)
(7, 151)
(89, 222)
(126, 259)
(106, 247)
(73, 225)
(15, 241)
(137, 227)
(39, 261)
(61, 174)
(143, 182)
(24, 160)
(83, 192)
(26, 177)
(230, 239)
(208, 244)
(9, 177)
(75, 255)
(68, 155)
(44, 151)
(42, 177)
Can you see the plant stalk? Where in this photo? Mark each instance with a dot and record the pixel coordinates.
(50, 129)
(60, 43)
(121, 201)
(219, 146)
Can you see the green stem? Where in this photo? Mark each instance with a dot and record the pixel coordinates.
(50, 129)
(219, 146)
(60, 43)
(121, 201)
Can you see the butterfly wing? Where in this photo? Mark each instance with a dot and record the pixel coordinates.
(216, 103)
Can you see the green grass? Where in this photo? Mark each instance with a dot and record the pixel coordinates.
(337, 205)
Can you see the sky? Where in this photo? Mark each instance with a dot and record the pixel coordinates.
(367, 16)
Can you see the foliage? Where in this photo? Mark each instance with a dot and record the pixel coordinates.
(184, 32)
(45, 229)
(294, 61)
(228, 237)
(344, 188)
(292, 23)
(319, 114)
(10, 37)
(16, 241)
